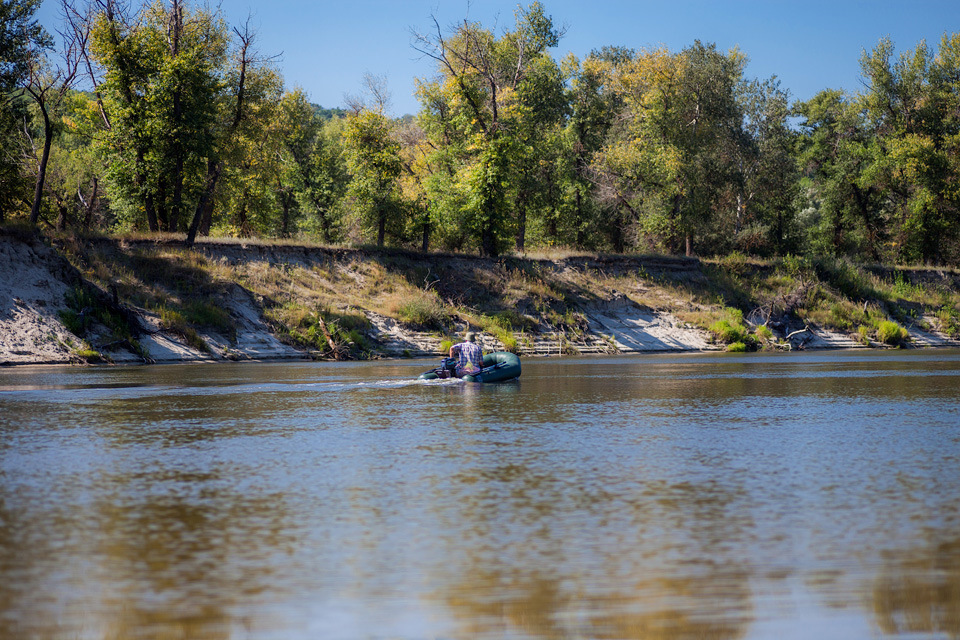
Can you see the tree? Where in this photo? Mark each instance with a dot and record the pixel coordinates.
(22, 42)
(768, 183)
(160, 80)
(478, 113)
(911, 103)
(48, 88)
(373, 158)
(843, 215)
(669, 160)
(314, 175)
(233, 105)
(593, 108)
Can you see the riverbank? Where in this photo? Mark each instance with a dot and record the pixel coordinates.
(70, 300)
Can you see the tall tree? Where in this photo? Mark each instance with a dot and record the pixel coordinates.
(768, 180)
(160, 87)
(314, 172)
(373, 158)
(22, 42)
(486, 91)
(48, 87)
(910, 102)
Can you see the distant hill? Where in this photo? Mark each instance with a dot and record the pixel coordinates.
(328, 114)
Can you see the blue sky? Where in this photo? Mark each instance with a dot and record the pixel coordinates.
(326, 47)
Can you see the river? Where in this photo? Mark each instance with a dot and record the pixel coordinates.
(801, 495)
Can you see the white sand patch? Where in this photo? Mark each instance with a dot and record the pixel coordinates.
(30, 296)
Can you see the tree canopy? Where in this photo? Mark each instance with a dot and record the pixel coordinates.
(162, 117)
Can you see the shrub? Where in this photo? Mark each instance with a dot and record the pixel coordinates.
(727, 332)
(949, 319)
(84, 307)
(797, 267)
(764, 333)
(891, 333)
(423, 310)
(737, 347)
(735, 262)
(729, 328)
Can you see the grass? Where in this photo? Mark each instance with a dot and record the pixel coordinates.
(511, 298)
(422, 309)
(302, 327)
(175, 321)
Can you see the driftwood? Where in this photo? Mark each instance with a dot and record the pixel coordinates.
(334, 348)
(793, 334)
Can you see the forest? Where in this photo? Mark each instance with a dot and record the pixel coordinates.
(163, 118)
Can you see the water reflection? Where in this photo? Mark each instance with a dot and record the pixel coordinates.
(673, 497)
(918, 592)
(493, 604)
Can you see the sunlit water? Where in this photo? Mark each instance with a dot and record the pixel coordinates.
(810, 495)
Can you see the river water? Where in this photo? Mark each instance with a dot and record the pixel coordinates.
(803, 495)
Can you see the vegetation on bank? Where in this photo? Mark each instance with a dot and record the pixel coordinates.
(325, 299)
(159, 117)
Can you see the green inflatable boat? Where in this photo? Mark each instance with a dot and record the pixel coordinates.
(497, 367)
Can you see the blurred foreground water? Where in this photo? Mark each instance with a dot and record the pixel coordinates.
(802, 495)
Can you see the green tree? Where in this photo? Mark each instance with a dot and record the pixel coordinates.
(161, 89)
(314, 175)
(768, 184)
(22, 42)
(481, 115)
(373, 158)
(842, 215)
(593, 107)
(910, 103)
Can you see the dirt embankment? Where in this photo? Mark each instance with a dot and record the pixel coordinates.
(65, 301)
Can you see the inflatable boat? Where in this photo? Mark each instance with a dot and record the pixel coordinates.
(497, 367)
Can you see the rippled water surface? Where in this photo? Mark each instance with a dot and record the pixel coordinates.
(810, 495)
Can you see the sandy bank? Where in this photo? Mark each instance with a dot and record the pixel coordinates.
(36, 281)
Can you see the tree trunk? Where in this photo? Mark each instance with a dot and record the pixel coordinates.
(61, 216)
(381, 226)
(521, 228)
(42, 172)
(425, 244)
(162, 217)
(242, 223)
(578, 243)
(488, 242)
(205, 205)
(324, 219)
(286, 200)
(689, 243)
(90, 205)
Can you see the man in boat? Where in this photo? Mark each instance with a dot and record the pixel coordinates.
(468, 354)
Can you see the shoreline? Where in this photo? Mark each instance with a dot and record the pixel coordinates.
(581, 305)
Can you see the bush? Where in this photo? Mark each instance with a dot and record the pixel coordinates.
(891, 333)
(729, 328)
(423, 310)
(797, 267)
(737, 347)
(764, 333)
(949, 319)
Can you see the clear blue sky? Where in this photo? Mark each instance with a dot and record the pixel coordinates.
(326, 46)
